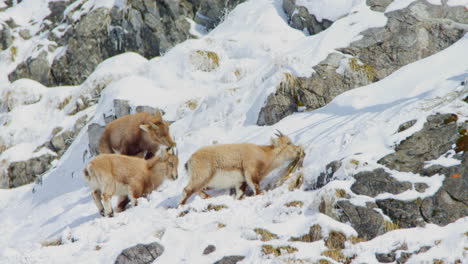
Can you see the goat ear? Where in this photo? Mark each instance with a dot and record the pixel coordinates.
(144, 128)
(274, 142)
(158, 114)
(163, 153)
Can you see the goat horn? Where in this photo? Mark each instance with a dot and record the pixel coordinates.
(154, 126)
(279, 134)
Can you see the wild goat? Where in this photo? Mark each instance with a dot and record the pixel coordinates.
(227, 166)
(128, 177)
(136, 134)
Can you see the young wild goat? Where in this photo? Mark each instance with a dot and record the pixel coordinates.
(128, 177)
(136, 134)
(227, 166)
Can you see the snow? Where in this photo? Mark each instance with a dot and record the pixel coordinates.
(255, 47)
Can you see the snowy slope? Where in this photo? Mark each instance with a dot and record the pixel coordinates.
(255, 48)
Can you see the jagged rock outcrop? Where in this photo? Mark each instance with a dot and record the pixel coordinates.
(300, 18)
(412, 33)
(315, 91)
(149, 28)
(140, 254)
(436, 138)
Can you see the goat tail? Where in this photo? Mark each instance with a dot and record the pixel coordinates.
(86, 173)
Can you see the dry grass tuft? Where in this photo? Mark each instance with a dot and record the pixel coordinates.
(368, 70)
(389, 226)
(215, 207)
(355, 240)
(192, 104)
(64, 103)
(335, 240)
(206, 61)
(277, 251)
(294, 204)
(334, 254)
(315, 234)
(52, 242)
(265, 235)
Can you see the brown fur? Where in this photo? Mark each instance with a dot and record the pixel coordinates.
(135, 135)
(128, 177)
(231, 165)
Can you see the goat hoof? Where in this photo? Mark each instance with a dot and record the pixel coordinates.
(101, 213)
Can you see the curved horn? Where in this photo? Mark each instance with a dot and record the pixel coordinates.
(153, 126)
(279, 133)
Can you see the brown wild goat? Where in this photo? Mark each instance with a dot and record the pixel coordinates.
(227, 166)
(136, 134)
(128, 177)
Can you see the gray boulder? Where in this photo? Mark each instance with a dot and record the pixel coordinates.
(23, 172)
(5, 37)
(36, 68)
(94, 134)
(140, 254)
(403, 213)
(325, 177)
(373, 183)
(209, 249)
(300, 18)
(378, 5)
(438, 135)
(406, 125)
(366, 221)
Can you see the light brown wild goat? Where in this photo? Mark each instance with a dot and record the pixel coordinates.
(128, 177)
(233, 165)
(136, 134)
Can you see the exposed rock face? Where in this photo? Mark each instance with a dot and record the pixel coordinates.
(315, 91)
(373, 183)
(140, 254)
(300, 18)
(230, 260)
(413, 33)
(23, 172)
(326, 176)
(378, 5)
(211, 12)
(404, 213)
(366, 221)
(436, 138)
(146, 27)
(5, 37)
(33, 68)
